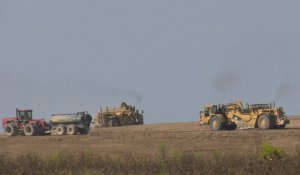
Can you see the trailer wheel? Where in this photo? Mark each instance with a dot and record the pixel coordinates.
(216, 124)
(10, 130)
(61, 130)
(266, 122)
(29, 129)
(72, 130)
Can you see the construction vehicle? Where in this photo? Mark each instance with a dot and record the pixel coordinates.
(225, 117)
(24, 124)
(123, 116)
(71, 123)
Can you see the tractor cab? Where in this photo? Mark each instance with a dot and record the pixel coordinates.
(209, 111)
(24, 115)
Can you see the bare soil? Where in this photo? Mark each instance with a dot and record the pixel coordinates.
(144, 140)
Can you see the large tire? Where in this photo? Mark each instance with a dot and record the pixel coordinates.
(10, 130)
(61, 130)
(233, 127)
(15, 129)
(72, 130)
(39, 129)
(216, 124)
(266, 122)
(30, 129)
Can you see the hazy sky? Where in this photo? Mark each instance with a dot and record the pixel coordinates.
(168, 58)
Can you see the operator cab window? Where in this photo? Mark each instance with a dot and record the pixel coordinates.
(23, 115)
(207, 111)
(214, 109)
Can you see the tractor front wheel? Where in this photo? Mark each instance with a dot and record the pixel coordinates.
(216, 124)
(10, 130)
(30, 129)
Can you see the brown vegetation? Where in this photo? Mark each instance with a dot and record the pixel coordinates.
(258, 160)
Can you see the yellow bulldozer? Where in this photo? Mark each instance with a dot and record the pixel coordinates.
(224, 117)
(123, 116)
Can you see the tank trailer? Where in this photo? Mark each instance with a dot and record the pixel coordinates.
(71, 124)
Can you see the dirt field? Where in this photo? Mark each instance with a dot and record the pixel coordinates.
(144, 140)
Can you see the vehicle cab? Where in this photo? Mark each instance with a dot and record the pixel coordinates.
(22, 116)
(205, 115)
(25, 114)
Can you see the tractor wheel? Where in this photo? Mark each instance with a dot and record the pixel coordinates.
(216, 124)
(10, 130)
(39, 129)
(72, 130)
(61, 129)
(30, 129)
(265, 122)
(233, 127)
(83, 131)
(16, 130)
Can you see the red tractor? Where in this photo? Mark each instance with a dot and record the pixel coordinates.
(24, 124)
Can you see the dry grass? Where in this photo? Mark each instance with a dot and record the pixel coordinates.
(271, 160)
